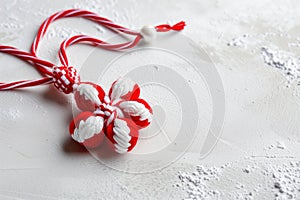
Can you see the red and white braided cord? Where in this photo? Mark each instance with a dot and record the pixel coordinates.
(78, 13)
(94, 42)
(32, 60)
(46, 68)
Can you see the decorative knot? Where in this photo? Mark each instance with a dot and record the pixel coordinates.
(119, 114)
(64, 78)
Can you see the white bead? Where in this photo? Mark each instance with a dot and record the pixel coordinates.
(148, 33)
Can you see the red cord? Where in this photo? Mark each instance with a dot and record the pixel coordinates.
(166, 27)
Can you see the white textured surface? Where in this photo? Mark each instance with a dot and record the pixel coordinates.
(261, 130)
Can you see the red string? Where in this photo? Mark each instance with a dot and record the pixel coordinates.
(166, 27)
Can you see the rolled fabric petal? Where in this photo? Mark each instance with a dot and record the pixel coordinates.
(88, 96)
(123, 133)
(86, 129)
(139, 111)
(124, 88)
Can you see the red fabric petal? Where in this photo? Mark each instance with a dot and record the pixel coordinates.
(134, 133)
(137, 119)
(92, 142)
(88, 105)
(132, 95)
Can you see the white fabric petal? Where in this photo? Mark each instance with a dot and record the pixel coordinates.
(121, 87)
(88, 128)
(89, 92)
(135, 108)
